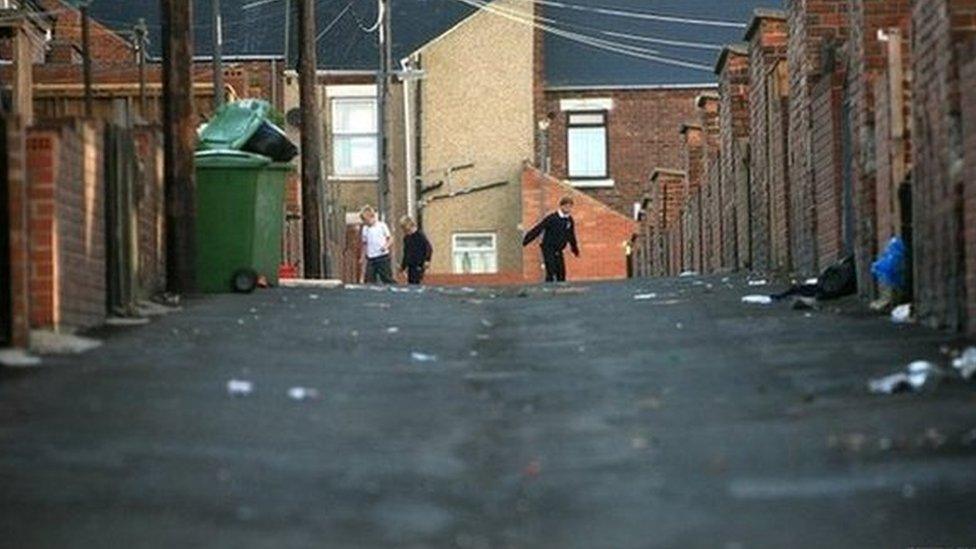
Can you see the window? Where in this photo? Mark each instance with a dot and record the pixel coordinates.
(354, 137)
(587, 145)
(475, 253)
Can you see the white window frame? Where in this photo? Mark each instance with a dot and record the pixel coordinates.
(336, 99)
(601, 180)
(493, 250)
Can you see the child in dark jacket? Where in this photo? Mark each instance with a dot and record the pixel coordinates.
(417, 251)
(558, 230)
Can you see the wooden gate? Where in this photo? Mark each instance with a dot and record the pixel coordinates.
(121, 220)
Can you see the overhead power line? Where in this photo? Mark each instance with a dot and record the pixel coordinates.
(598, 43)
(643, 15)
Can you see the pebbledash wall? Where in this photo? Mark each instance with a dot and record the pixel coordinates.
(841, 124)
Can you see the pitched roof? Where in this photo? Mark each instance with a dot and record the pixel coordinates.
(343, 45)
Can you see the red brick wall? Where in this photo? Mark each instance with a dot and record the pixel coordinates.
(827, 104)
(708, 107)
(813, 25)
(938, 28)
(780, 203)
(67, 230)
(17, 189)
(691, 221)
(641, 133)
(151, 214)
(602, 232)
(733, 72)
(767, 49)
(107, 47)
(867, 61)
(968, 101)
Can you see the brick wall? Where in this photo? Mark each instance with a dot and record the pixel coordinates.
(708, 108)
(107, 47)
(67, 226)
(602, 232)
(777, 162)
(767, 37)
(667, 199)
(691, 221)
(814, 26)
(733, 75)
(938, 27)
(151, 214)
(641, 135)
(826, 110)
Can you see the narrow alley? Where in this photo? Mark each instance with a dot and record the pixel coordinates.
(571, 416)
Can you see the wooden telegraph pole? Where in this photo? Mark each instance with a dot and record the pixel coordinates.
(142, 34)
(86, 59)
(179, 129)
(218, 54)
(314, 237)
(382, 102)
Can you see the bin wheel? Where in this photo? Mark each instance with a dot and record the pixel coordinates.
(244, 281)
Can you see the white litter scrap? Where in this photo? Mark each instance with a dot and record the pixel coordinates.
(303, 393)
(324, 284)
(645, 297)
(919, 375)
(313, 296)
(422, 357)
(761, 282)
(688, 274)
(757, 299)
(965, 363)
(239, 387)
(812, 281)
(393, 330)
(46, 342)
(902, 314)
(18, 358)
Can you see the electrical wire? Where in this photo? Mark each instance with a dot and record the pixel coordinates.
(606, 45)
(643, 15)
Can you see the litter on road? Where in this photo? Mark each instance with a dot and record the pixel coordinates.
(757, 299)
(303, 393)
(422, 357)
(902, 314)
(239, 387)
(393, 330)
(645, 297)
(762, 282)
(918, 376)
(965, 363)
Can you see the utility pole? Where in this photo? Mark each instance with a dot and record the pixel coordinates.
(218, 54)
(179, 131)
(86, 60)
(382, 102)
(314, 238)
(288, 14)
(142, 40)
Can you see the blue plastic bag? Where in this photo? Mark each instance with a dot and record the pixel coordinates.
(889, 269)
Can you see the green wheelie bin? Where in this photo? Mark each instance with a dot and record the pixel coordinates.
(240, 214)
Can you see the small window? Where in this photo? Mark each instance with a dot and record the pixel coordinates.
(587, 145)
(354, 139)
(475, 253)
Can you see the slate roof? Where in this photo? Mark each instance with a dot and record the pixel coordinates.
(343, 46)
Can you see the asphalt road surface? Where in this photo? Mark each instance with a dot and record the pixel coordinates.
(564, 418)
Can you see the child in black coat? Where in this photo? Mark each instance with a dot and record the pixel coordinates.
(559, 230)
(417, 251)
